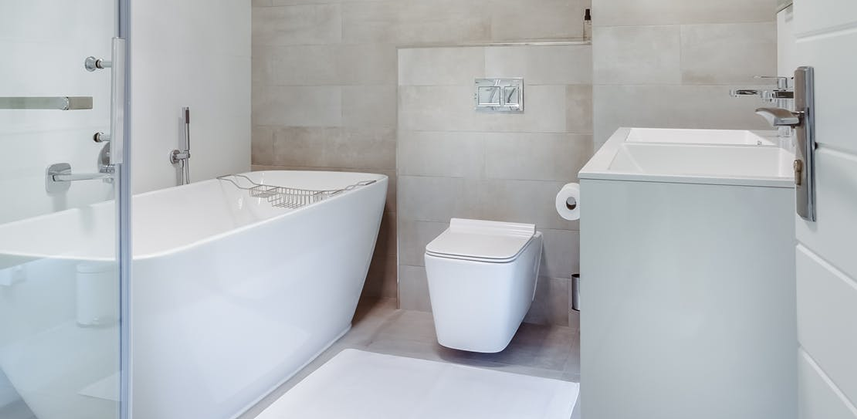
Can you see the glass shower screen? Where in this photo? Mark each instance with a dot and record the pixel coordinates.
(62, 84)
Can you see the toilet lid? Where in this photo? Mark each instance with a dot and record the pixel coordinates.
(482, 240)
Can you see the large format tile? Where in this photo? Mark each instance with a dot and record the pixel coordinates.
(436, 198)
(690, 106)
(561, 255)
(670, 12)
(262, 145)
(333, 148)
(414, 236)
(413, 288)
(550, 307)
(300, 65)
(440, 66)
(369, 106)
(297, 25)
(554, 64)
(515, 20)
(578, 108)
(637, 55)
(710, 54)
(522, 201)
(445, 154)
(553, 157)
(367, 64)
(413, 22)
(297, 106)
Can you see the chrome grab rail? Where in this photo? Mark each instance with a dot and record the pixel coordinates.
(62, 103)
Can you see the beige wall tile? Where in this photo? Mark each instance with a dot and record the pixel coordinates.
(262, 65)
(515, 20)
(369, 106)
(433, 153)
(366, 64)
(551, 303)
(554, 157)
(436, 198)
(304, 65)
(637, 55)
(335, 148)
(689, 106)
(522, 201)
(561, 255)
(304, 146)
(578, 108)
(413, 288)
(262, 145)
(299, 106)
(410, 22)
(366, 149)
(441, 66)
(297, 25)
(728, 53)
(556, 65)
(668, 12)
(414, 236)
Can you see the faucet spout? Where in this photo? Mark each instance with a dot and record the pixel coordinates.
(779, 117)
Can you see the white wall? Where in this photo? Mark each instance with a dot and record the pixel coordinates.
(43, 44)
(787, 60)
(192, 53)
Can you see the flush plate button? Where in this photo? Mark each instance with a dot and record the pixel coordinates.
(504, 95)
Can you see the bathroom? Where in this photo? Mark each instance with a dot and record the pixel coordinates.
(381, 209)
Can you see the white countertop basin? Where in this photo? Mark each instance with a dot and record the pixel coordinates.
(725, 163)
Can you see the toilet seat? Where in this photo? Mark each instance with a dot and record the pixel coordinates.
(482, 241)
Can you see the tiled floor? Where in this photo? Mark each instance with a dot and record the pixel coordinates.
(543, 351)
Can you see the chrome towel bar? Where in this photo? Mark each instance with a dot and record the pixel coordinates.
(63, 103)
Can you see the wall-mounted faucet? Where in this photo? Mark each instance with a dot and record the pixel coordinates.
(182, 157)
(782, 97)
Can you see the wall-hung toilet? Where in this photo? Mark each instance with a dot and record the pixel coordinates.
(482, 279)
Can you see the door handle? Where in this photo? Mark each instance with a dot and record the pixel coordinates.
(803, 121)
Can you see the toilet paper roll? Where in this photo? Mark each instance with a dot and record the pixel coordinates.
(568, 202)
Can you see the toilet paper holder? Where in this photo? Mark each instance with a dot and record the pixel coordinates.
(571, 203)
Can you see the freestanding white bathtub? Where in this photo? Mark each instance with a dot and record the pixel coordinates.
(230, 296)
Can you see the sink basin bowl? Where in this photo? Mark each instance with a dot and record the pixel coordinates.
(632, 154)
(700, 136)
(708, 161)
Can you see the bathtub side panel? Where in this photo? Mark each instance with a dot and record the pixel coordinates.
(218, 326)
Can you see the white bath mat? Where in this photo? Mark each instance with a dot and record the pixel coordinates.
(364, 385)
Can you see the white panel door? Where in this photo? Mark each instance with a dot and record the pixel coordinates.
(826, 33)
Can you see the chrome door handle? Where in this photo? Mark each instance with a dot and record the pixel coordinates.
(803, 121)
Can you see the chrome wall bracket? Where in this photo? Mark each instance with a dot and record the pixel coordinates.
(91, 64)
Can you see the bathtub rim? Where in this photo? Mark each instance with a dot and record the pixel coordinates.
(32, 256)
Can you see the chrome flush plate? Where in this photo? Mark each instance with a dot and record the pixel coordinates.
(499, 95)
